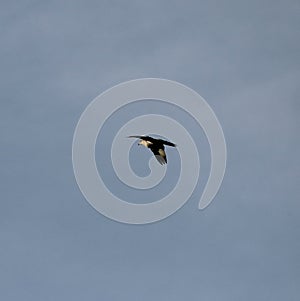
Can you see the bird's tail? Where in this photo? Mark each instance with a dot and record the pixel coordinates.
(168, 143)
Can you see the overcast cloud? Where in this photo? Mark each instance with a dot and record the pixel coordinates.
(243, 58)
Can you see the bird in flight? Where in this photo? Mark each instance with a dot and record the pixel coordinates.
(157, 146)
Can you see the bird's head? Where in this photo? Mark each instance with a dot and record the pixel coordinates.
(142, 142)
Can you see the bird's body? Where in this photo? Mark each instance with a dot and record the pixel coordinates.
(157, 146)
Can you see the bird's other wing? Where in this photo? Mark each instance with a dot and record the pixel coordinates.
(167, 143)
(161, 159)
(160, 155)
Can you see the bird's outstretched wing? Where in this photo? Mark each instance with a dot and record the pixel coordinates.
(147, 138)
(136, 136)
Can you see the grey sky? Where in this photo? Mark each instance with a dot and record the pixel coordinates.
(242, 57)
